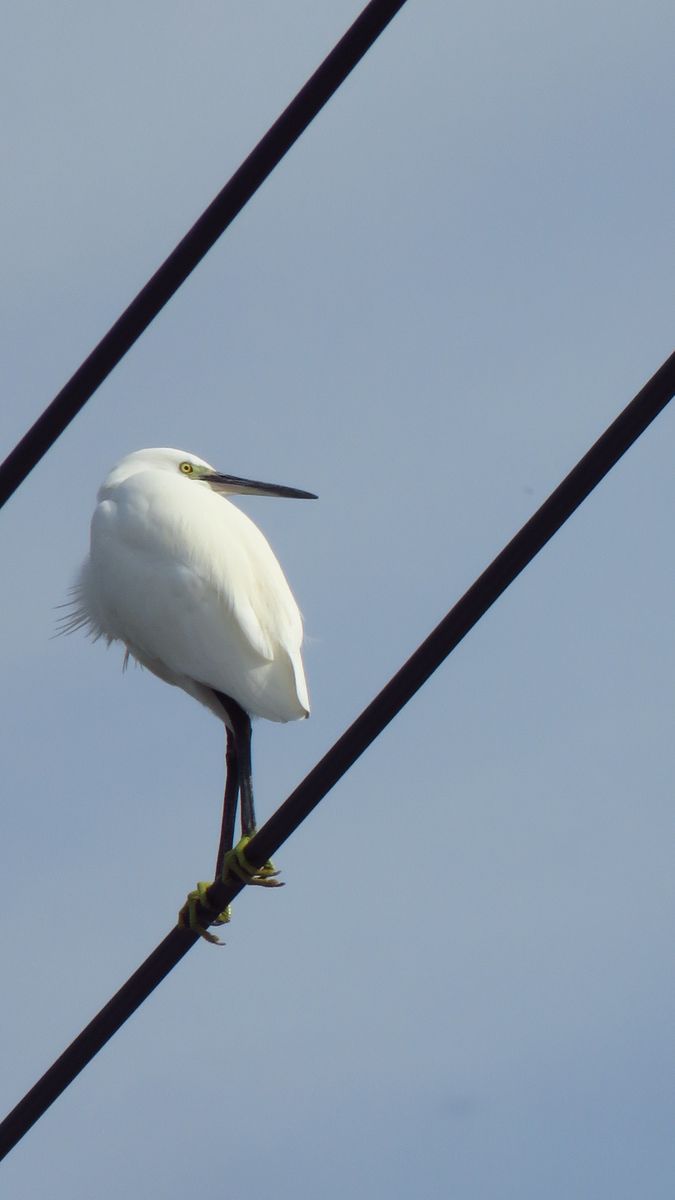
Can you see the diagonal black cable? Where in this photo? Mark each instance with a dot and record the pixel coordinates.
(190, 251)
(560, 505)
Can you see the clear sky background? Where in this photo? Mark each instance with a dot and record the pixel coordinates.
(449, 288)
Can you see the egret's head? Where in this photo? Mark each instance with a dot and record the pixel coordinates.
(195, 470)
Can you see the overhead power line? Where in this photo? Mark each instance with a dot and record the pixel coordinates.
(189, 252)
(488, 587)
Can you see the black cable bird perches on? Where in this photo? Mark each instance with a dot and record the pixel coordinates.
(197, 242)
(488, 587)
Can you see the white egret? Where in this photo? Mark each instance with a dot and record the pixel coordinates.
(190, 586)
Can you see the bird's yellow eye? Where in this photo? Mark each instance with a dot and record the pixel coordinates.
(187, 468)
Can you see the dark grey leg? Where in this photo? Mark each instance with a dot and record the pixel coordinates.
(241, 727)
(229, 802)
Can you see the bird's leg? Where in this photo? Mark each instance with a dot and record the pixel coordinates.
(242, 738)
(235, 862)
(231, 862)
(229, 801)
(198, 899)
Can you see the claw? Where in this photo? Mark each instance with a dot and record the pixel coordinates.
(236, 864)
(187, 917)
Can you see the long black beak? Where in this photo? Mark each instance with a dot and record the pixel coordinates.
(252, 487)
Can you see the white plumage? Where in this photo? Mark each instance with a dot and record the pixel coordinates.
(191, 587)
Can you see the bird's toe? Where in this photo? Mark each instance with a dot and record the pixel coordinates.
(237, 866)
(197, 908)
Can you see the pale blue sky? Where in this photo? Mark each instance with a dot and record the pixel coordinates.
(449, 288)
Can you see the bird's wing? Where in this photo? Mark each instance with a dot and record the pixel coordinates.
(262, 602)
(236, 564)
(249, 625)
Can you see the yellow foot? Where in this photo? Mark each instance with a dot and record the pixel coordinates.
(187, 917)
(236, 864)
